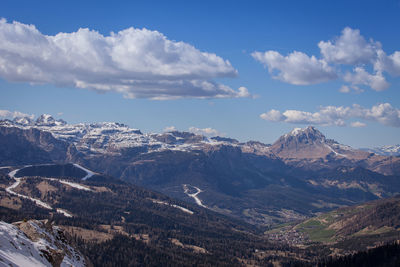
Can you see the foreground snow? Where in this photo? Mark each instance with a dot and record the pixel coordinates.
(27, 247)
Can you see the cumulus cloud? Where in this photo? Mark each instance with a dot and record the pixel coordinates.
(361, 77)
(344, 89)
(14, 114)
(358, 124)
(350, 48)
(205, 131)
(390, 64)
(296, 68)
(272, 115)
(331, 115)
(383, 113)
(137, 63)
(348, 89)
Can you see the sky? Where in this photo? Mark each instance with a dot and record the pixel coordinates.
(250, 70)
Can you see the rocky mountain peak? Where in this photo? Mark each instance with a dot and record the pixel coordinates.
(23, 120)
(48, 120)
(307, 142)
(308, 135)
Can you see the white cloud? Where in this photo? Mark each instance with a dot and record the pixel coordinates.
(14, 114)
(332, 115)
(383, 113)
(243, 92)
(390, 64)
(348, 89)
(344, 89)
(358, 124)
(170, 129)
(137, 63)
(296, 68)
(361, 77)
(272, 115)
(350, 48)
(205, 131)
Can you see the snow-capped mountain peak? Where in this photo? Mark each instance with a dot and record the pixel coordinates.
(23, 120)
(308, 135)
(296, 131)
(48, 120)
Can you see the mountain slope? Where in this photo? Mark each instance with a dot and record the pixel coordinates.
(347, 229)
(107, 217)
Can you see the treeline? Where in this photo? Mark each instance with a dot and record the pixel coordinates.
(387, 255)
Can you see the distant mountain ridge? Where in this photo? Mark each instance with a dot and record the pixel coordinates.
(390, 150)
(109, 137)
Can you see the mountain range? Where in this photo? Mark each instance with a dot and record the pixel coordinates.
(393, 150)
(299, 175)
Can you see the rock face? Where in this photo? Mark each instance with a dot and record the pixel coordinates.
(31, 145)
(36, 243)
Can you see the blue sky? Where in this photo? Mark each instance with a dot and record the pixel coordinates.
(296, 92)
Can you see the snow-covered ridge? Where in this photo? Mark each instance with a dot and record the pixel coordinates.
(24, 244)
(393, 150)
(111, 138)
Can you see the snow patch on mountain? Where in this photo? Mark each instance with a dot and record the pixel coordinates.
(334, 152)
(89, 173)
(186, 190)
(172, 205)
